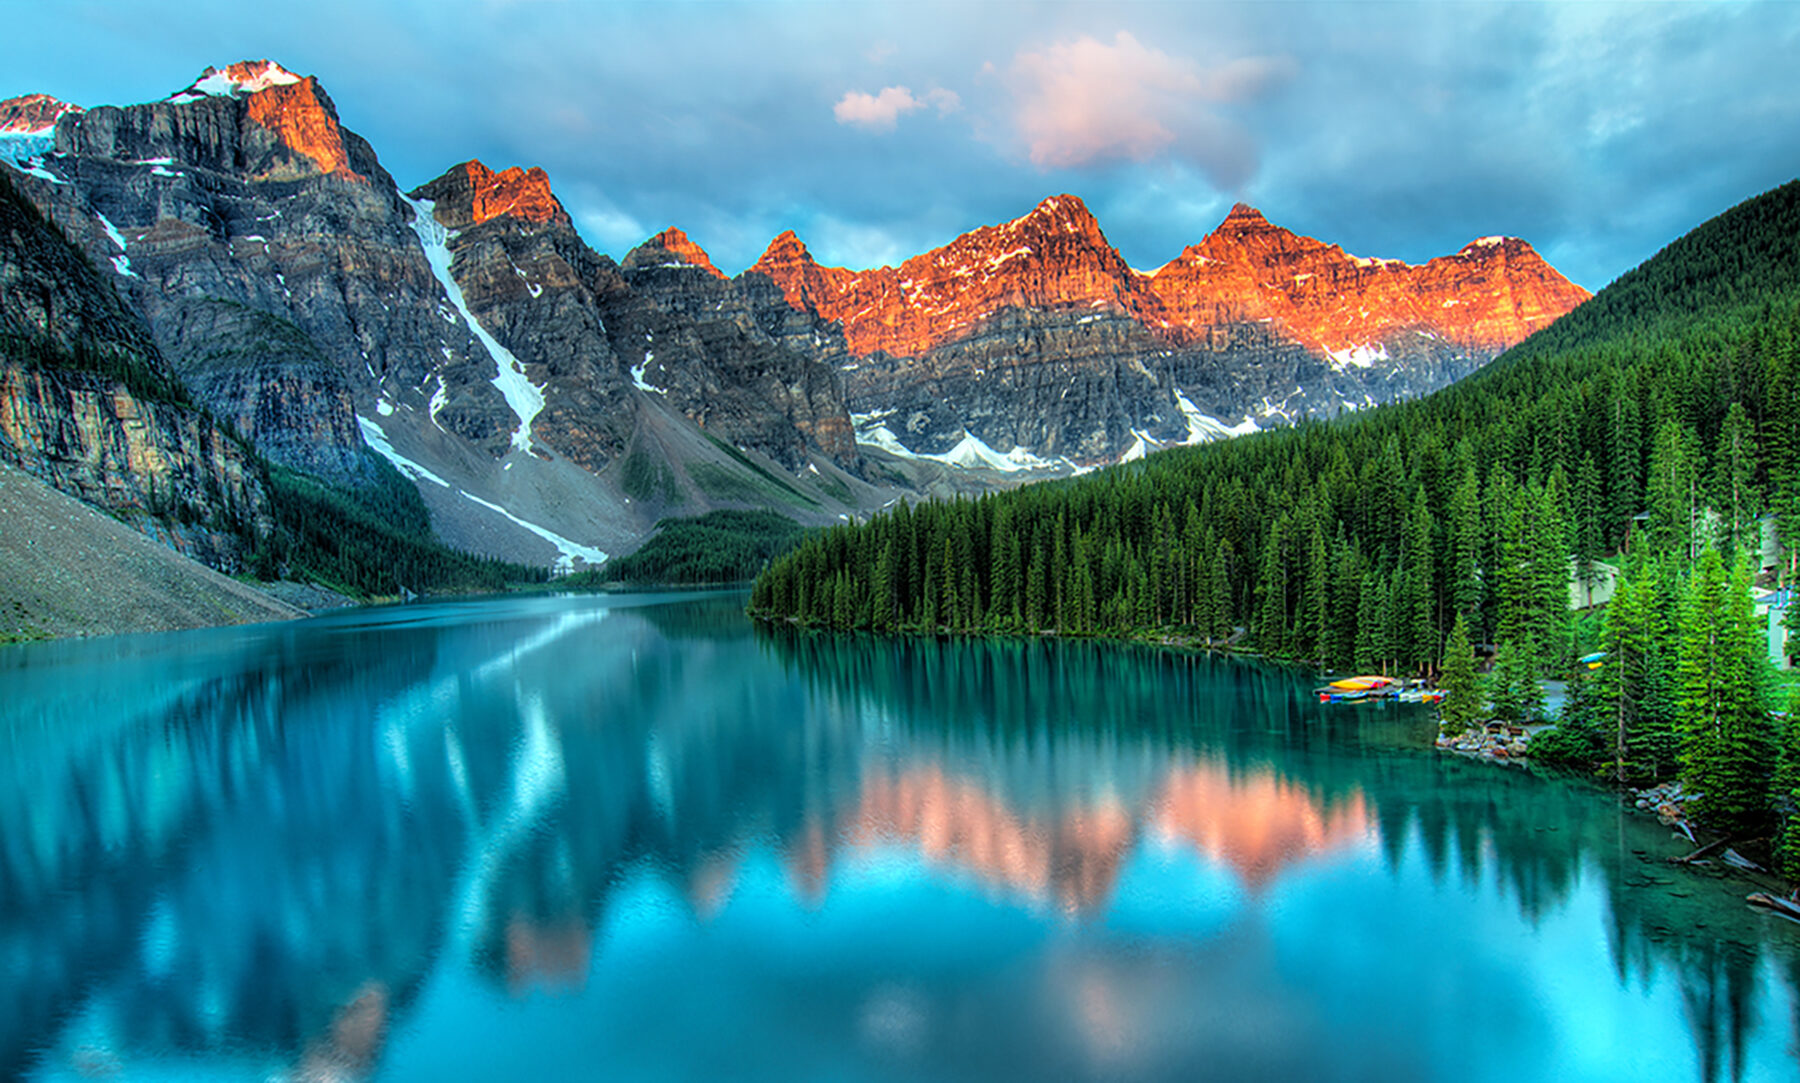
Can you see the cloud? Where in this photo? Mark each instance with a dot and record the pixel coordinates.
(605, 225)
(1086, 101)
(879, 112)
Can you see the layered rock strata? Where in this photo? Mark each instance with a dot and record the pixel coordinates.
(1034, 335)
(89, 404)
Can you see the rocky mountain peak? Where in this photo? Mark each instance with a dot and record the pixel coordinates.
(32, 114)
(673, 246)
(295, 108)
(1055, 256)
(254, 119)
(471, 193)
(785, 248)
(236, 81)
(1064, 213)
(807, 286)
(1244, 217)
(1247, 234)
(304, 119)
(1488, 296)
(1486, 248)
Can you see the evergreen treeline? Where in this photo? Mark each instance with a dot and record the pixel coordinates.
(718, 547)
(1659, 421)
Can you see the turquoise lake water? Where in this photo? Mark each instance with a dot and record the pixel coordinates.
(638, 837)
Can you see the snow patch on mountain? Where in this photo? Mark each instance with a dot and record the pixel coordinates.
(377, 440)
(970, 452)
(235, 81)
(119, 262)
(524, 397)
(637, 375)
(1203, 427)
(569, 550)
(1362, 356)
(21, 147)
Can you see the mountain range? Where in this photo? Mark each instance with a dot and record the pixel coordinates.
(553, 405)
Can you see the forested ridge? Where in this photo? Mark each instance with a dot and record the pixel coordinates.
(1656, 428)
(727, 546)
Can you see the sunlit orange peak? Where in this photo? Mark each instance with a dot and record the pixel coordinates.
(677, 244)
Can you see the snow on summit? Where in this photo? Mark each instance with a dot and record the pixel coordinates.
(244, 77)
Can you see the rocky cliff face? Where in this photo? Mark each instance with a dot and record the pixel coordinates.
(271, 382)
(1034, 335)
(245, 188)
(294, 288)
(728, 355)
(88, 403)
(596, 337)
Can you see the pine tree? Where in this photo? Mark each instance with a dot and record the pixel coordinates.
(1419, 636)
(881, 613)
(1548, 567)
(1733, 488)
(1466, 542)
(1625, 459)
(1724, 728)
(1315, 599)
(1462, 704)
(1220, 591)
(1589, 528)
(1272, 593)
(1513, 686)
(1673, 490)
(1787, 793)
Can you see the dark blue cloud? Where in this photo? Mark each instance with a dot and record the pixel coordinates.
(1598, 132)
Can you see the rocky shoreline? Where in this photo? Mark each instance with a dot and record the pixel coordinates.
(1493, 741)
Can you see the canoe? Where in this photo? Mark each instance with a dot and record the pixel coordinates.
(1362, 684)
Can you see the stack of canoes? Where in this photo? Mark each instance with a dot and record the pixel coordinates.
(1351, 689)
(1355, 688)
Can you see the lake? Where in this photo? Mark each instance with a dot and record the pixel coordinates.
(638, 837)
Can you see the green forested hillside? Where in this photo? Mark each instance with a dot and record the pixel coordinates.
(719, 547)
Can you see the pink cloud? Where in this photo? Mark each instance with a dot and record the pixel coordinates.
(1086, 101)
(880, 111)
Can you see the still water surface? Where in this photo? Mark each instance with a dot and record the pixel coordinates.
(638, 838)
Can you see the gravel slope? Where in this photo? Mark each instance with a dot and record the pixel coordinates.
(68, 570)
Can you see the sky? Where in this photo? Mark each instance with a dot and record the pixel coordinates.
(876, 130)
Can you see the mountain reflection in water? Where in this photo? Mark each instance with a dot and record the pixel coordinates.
(638, 836)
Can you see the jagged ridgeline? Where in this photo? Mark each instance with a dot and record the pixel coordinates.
(1357, 542)
(99, 412)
